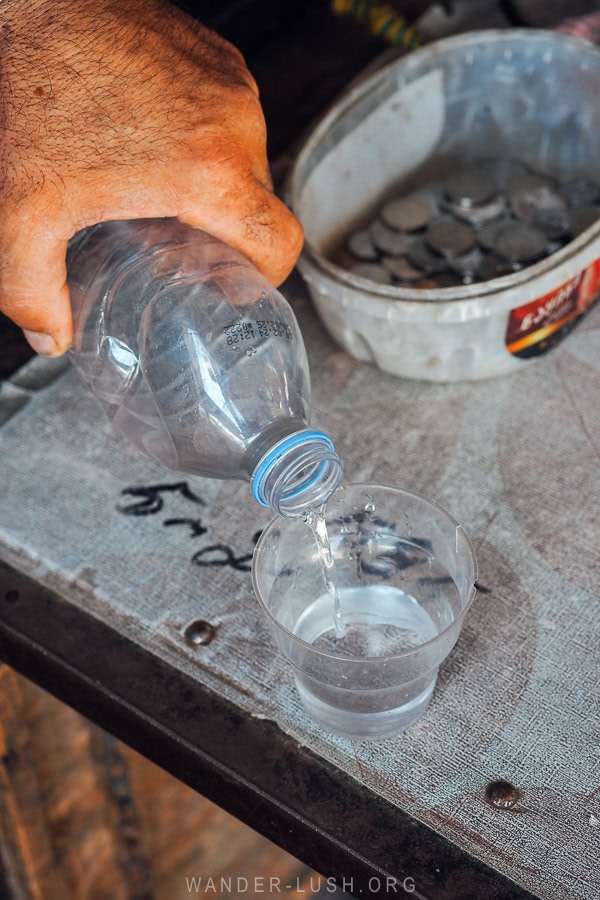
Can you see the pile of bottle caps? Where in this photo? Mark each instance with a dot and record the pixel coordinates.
(479, 223)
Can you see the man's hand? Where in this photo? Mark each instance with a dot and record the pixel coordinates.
(113, 110)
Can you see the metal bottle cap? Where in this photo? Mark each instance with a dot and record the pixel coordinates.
(360, 245)
(470, 188)
(480, 215)
(388, 240)
(521, 244)
(401, 268)
(484, 221)
(407, 213)
(554, 223)
(530, 193)
(469, 265)
(425, 259)
(488, 234)
(450, 238)
(495, 267)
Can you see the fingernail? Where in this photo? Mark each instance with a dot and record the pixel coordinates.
(44, 344)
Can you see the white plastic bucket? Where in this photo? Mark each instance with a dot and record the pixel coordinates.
(522, 94)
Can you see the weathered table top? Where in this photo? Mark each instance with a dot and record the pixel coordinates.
(126, 556)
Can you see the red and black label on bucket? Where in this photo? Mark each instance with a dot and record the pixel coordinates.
(538, 326)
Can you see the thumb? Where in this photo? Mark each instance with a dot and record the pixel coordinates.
(251, 219)
(34, 291)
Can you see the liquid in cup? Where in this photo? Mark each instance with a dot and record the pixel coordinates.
(404, 574)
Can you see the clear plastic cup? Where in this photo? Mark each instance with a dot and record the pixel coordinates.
(366, 628)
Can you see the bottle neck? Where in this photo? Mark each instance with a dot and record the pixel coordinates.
(297, 474)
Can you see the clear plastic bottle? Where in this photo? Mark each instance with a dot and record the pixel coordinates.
(198, 359)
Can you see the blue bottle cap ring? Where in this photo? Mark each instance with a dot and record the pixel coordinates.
(281, 449)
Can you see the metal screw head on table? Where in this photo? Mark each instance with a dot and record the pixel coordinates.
(372, 271)
(469, 188)
(360, 245)
(450, 238)
(521, 244)
(407, 213)
(199, 632)
(502, 794)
